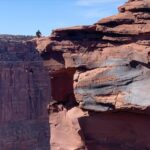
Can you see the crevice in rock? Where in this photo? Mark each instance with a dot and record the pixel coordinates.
(62, 87)
(118, 22)
(56, 55)
(83, 68)
(134, 64)
(145, 10)
(109, 105)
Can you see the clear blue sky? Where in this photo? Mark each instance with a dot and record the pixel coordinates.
(27, 16)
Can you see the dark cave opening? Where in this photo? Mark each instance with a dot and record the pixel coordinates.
(62, 87)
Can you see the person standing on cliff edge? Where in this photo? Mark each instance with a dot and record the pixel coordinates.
(38, 34)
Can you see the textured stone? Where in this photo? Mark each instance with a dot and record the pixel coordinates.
(65, 128)
(135, 6)
(107, 66)
(24, 95)
(110, 59)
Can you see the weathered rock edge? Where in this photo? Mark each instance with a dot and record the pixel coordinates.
(99, 75)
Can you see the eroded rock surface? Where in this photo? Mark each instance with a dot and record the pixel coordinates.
(110, 58)
(107, 66)
(24, 95)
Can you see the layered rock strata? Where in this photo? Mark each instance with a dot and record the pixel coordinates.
(100, 82)
(24, 96)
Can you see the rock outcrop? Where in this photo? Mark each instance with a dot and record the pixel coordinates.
(24, 96)
(100, 82)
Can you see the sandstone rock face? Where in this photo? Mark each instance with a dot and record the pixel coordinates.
(65, 129)
(110, 58)
(24, 95)
(109, 80)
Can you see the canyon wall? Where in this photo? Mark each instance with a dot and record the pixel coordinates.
(100, 82)
(92, 81)
(24, 96)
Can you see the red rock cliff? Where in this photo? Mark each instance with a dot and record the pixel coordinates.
(24, 95)
(100, 82)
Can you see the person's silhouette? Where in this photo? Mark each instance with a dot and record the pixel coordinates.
(38, 34)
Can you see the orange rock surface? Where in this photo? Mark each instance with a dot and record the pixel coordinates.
(103, 71)
(94, 81)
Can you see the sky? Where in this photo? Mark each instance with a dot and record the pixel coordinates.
(25, 17)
